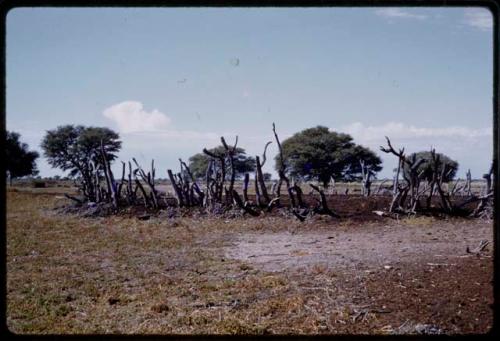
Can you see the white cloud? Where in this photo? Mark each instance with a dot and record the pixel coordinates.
(394, 12)
(140, 125)
(400, 130)
(472, 148)
(175, 134)
(130, 117)
(479, 18)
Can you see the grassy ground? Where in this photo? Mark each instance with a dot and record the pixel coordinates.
(66, 274)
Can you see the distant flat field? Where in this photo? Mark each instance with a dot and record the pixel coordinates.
(270, 274)
(339, 187)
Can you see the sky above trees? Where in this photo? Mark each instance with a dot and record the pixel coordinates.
(172, 81)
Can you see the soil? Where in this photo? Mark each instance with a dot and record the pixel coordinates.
(369, 247)
(353, 207)
(418, 277)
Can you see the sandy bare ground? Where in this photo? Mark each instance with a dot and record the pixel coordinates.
(370, 248)
(413, 276)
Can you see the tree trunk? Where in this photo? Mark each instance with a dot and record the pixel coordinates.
(260, 178)
(177, 190)
(245, 187)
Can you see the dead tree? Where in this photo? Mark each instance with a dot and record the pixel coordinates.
(149, 179)
(273, 188)
(381, 186)
(323, 208)
(122, 182)
(195, 188)
(245, 187)
(110, 180)
(468, 181)
(485, 206)
(244, 206)
(298, 192)
(138, 186)
(127, 183)
(209, 189)
(176, 187)
(230, 152)
(455, 189)
(331, 187)
(366, 174)
(259, 178)
(437, 180)
(488, 177)
(282, 173)
(411, 188)
(219, 170)
(131, 194)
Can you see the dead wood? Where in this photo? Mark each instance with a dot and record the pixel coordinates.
(323, 208)
(282, 170)
(366, 175)
(245, 187)
(244, 206)
(149, 180)
(230, 152)
(199, 198)
(302, 217)
(272, 204)
(141, 188)
(109, 178)
(298, 191)
(177, 189)
(220, 174)
(79, 201)
(482, 245)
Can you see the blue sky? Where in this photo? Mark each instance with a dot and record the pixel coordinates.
(171, 81)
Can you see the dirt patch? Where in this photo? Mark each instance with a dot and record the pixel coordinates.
(370, 247)
(414, 276)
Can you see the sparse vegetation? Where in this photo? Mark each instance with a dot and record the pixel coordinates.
(119, 274)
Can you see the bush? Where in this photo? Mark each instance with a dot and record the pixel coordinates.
(38, 184)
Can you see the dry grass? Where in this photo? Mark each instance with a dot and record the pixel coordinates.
(122, 275)
(66, 274)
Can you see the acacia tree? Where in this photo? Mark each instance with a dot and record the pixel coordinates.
(320, 154)
(198, 163)
(77, 149)
(425, 167)
(19, 160)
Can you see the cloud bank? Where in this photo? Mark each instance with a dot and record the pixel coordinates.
(479, 18)
(472, 148)
(476, 17)
(401, 130)
(151, 134)
(394, 12)
(131, 119)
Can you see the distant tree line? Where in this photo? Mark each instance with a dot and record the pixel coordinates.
(312, 154)
(20, 161)
(208, 180)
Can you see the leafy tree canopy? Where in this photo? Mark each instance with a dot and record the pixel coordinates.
(20, 161)
(451, 166)
(198, 163)
(72, 147)
(319, 154)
